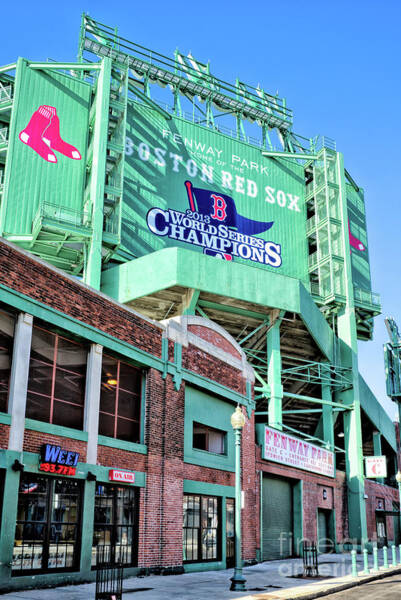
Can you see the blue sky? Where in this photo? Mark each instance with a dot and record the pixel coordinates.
(337, 63)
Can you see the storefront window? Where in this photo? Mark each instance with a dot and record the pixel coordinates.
(120, 400)
(7, 323)
(115, 532)
(201, 533)
(56, 386)
(47, 530)
(209, 439)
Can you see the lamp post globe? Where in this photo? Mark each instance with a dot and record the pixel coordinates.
(238, 422)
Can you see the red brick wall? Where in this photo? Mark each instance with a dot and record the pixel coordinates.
(31, 278)
(389, 495)
(4, 435)
(120, 459)
(202, 363)
(214, 338)
(33, 440)
(161, 506)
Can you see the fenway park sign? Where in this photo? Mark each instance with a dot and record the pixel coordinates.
(288, 450)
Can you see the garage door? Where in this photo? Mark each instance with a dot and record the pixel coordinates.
(277, 524)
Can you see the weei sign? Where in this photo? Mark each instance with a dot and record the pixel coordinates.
(288, 450)
(190, 186)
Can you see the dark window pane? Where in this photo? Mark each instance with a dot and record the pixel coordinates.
(114, 527)
(6, 348)
(43, 345)
(128, 405)
(40, 377)
(208, 438)
(127, 430)
(106, 425)
(35, 535)
(38, 407)
(130, 378)
(70, 386)
(71, 356)
(68, 415)
(108, 397)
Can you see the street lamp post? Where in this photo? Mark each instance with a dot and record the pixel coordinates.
(398, 478)
(237, 422)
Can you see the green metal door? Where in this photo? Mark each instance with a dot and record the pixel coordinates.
(277, 519)
(322, 531)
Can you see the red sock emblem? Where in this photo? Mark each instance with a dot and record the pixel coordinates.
(32, 134)
(42, 134)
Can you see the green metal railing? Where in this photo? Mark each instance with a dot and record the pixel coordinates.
(6, 93)
(367, 298)
(202, 121)
(61, 215)
(111, 223)
(3, 138)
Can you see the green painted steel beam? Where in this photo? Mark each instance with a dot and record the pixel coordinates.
(328, 416)
(66, 66)
(232, 309)
(264, 324)
(310, 399)
(311, 437)
(276, 154)
(150, 102)
(93, 266)
(190, 302)
(9, 67)
(348, 349)
(275, 398)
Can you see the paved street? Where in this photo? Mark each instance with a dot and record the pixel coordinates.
(265, 581)
(383, 589)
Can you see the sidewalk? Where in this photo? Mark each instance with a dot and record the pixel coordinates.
(272, 580)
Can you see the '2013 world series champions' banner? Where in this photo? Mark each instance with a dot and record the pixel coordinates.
(188, 186)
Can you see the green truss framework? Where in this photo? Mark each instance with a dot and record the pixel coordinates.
(392, 362)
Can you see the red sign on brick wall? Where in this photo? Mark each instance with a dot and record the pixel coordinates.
(288, 450)
(122, 476)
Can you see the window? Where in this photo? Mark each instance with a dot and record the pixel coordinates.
(56, 385)
(46, 535)
(120, 400)
(209, 439)
(115, 527)
(201, 533)
(7, 323)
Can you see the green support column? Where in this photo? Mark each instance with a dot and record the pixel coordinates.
(377, 448)
(348, 349)
(327, 416)
(93, 264)
(8, 521)
(275, 402)
(88, 514)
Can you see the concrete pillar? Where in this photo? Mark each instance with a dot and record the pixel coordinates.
(19, 380)
(92, 400)
(274, 376)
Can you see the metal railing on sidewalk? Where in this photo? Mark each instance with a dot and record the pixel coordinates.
(109, 572)
(309, 555)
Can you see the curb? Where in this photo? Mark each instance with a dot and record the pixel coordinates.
(296, 593)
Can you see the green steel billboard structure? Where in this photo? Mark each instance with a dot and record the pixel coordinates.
(163, 200)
